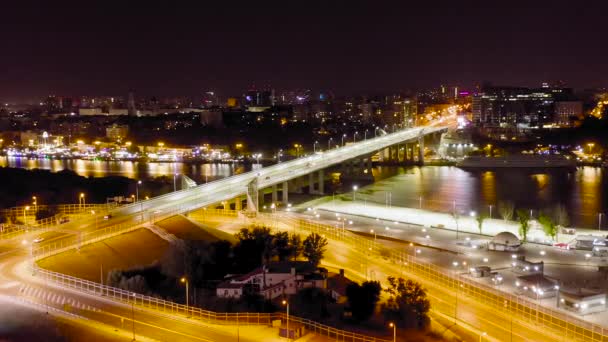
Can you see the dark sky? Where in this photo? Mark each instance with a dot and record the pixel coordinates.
(176, 47)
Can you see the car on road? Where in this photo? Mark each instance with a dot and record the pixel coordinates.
(562, 245)
(38, 239)
(107, 217)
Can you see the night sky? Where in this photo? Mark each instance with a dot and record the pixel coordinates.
(175, 48)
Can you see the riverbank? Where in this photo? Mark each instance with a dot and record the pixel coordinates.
(437, 220)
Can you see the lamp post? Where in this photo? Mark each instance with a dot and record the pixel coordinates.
(286, 303)
(184, 280)
(373, 232)
(482, 335)
(355, 137)
(81, 199)
(365, 135)
(35, 203)
(343, 136)
(355, 192)
(133, 315)
(599, 221)
(394, 326)
(137, 190)
(174, 183)
(329, 143)
(27, 207)
(93, 213)
(314, 147)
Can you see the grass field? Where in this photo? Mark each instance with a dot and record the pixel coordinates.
(185, 229)
(138, 248)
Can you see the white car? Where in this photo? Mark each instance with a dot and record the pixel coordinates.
(38, 239)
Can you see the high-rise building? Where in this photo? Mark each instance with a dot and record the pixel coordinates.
(517, 107)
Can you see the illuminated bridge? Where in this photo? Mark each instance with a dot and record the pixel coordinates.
(283, 177)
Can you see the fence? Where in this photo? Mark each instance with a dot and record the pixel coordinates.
(560, 323)
(9, 231)
(164, 305)
(157, 304)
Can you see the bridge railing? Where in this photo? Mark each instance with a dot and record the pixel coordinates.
(560, 323)
(220, 318)
(333, 156)
(162, 305)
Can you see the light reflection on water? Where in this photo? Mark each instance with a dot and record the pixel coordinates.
(583, 191)
(135, 170)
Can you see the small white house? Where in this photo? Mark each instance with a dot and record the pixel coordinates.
(275, 280)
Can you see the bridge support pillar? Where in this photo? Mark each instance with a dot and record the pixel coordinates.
(238, 203)
(253, 202)
(311, 183)
(321, 183)
(275, 197)
(285, 192)
(421, 150)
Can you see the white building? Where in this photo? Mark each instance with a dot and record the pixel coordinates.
(275, 280)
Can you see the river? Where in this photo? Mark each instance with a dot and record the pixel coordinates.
(583, 192)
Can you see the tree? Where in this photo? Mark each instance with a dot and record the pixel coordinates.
(408, 304)
(480, 218)
(254, 248)
(524, 223)
(295, 246)
(314, 248)
(506, 210)
(362, 299)
(280, 245)
(549, 227)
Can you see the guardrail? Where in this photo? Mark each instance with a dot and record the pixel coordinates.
(164, 305)
(561, 323)
(222, 318)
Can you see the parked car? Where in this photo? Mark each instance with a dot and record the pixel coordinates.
(562, 245)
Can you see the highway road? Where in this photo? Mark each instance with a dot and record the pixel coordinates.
(501, 325)
(17, 282)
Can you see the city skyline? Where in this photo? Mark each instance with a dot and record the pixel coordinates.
(65, 48)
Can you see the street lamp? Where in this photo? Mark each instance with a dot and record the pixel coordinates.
(394, 326)
(81, 199)
(284, 302)
(355, 192)
(373, 232)
(35, 203)
(490, 206)
(137, 190)
(355, 137)
(174, 183)
(599, 221)
(133, 315)
(343, 136)
(93, 213)
(329, 143)
(184, 280)
(27, 207)
(482, 335)
(314, 147)
(365, 134)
